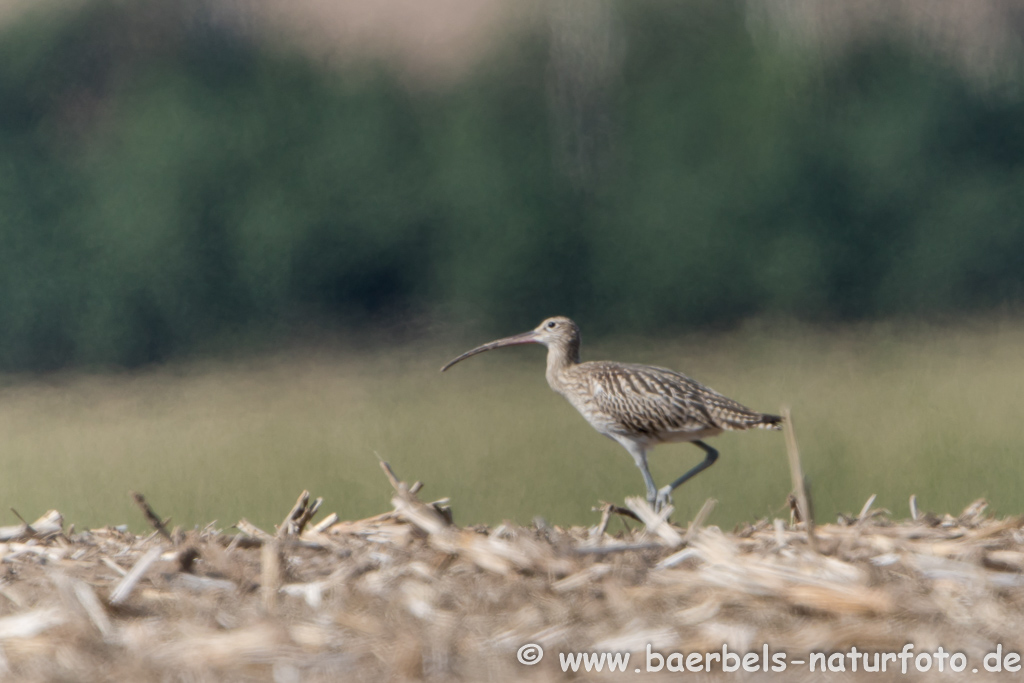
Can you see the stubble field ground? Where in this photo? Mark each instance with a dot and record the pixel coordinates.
(393, 591)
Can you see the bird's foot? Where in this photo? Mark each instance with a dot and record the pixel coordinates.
(663, 498)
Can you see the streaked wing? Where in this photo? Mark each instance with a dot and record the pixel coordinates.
(656, 401)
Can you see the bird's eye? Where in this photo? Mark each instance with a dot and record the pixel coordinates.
(551, 325)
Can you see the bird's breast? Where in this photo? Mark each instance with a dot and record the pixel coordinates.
(585, 396)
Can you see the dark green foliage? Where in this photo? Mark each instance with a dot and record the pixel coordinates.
(166, 182)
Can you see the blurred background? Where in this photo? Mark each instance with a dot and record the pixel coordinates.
(239, 237)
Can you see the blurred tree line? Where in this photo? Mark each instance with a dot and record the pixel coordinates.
(166, 181)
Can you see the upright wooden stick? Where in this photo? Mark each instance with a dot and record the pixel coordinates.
(803, 498)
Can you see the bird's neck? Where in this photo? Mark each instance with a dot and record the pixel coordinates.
(561, 357)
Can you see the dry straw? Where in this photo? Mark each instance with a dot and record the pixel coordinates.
(408, 595)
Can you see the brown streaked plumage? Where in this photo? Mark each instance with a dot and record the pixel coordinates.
(639, 406)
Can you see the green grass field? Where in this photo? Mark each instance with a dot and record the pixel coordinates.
(934, 411)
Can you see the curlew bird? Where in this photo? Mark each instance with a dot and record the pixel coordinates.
(639, 406)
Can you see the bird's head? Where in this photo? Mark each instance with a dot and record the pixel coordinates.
(558, 332)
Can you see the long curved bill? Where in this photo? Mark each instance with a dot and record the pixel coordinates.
(516, 339)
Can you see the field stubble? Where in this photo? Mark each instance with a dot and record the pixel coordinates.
(407, 595)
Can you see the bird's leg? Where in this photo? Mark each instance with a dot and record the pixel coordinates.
(640, 457)
(664, 496)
